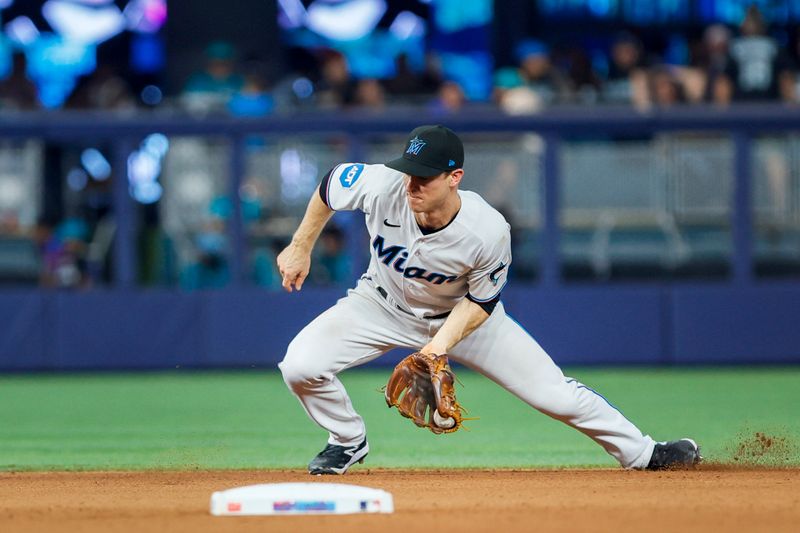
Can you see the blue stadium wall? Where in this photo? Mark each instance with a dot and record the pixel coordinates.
(626, 324)
(741, 320)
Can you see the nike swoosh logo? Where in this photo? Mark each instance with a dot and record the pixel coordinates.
(494, 276)
(387, 223)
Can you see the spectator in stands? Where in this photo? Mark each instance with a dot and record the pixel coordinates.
(449, 99)
(758, 71)
(332, 265)
(665, 88)
(336, 88)
(253, 99)
(17, 91)
(370, 95)
(64, 254)
(209, 270)
(584, 83)
(714, 61)
(212, 87)
(794, 51)
(265, 270)
(511, 95)
(410, 85)
(538, 73)
(293, 88)
(626, 82)
(533, 85)
(104, 88)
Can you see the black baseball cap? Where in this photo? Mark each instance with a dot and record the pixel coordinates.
(430, 150)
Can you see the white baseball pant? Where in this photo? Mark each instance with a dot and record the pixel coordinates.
(363, 325)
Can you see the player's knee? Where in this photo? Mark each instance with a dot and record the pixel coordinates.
(300, 370)
(295, 373)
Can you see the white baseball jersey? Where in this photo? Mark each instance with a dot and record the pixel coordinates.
(413, 279)
(425, 274)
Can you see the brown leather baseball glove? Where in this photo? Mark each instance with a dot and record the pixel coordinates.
(421, 387)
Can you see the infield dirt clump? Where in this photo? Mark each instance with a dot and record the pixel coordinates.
(760, 448)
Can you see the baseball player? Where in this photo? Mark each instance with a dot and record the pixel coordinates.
(439, 263)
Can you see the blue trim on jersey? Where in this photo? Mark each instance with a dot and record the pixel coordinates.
(582, 386)
(325, 186)
(496, 295)
(521, 327)
(486, 306)
(571, 380)
(328, 191)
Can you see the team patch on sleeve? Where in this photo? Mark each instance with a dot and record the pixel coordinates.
(350, 175)
(486, 283)
(494, 275)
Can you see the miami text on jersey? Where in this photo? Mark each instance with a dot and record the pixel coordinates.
(396, 257)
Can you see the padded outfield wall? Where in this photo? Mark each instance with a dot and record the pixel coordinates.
(652, 325)
(735, 318)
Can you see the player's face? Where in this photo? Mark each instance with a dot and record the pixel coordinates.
(429, 194)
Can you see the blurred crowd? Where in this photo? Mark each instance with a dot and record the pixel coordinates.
(722, 67)
(719, 66)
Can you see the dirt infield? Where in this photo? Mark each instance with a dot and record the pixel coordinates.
(720, 498)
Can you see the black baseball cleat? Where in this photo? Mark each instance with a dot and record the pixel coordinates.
(335, 459)
(684, 453)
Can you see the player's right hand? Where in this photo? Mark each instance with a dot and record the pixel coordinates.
(293, 264)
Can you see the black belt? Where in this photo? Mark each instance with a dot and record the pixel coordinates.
(385, 295)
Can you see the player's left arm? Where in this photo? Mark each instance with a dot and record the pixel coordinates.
(466, 317)
(486, 282)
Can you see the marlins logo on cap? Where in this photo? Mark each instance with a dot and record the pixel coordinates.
(430, 150)
(415, 145)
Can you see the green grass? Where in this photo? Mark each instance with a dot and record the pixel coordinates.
(250, 420)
